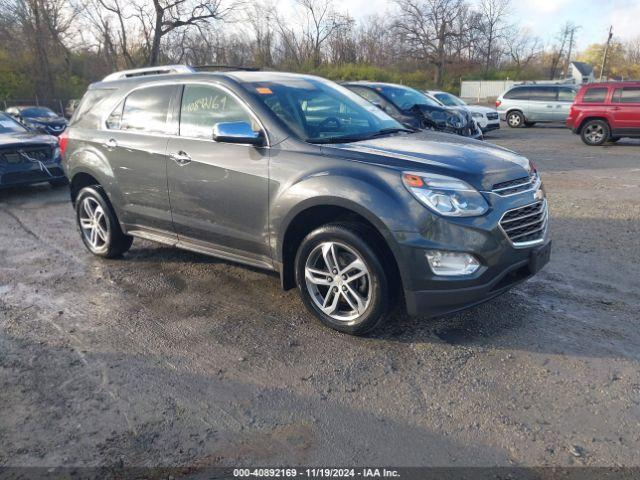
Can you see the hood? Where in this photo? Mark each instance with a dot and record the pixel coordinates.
(480, 164)
(26, 139)
(46, 120)
(480, 109)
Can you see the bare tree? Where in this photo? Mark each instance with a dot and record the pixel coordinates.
(523, 48)
(174, 14)
(426, 27)
(303, 38)
(492, 25)
(46, 27)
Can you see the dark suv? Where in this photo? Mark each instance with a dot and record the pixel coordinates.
(299, 175)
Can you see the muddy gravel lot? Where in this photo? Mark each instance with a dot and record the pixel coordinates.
(166, 357)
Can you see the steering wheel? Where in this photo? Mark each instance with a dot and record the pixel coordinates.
(330, 123)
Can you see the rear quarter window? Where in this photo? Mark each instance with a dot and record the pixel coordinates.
(518, 93)
(595, 95)
(86, 115)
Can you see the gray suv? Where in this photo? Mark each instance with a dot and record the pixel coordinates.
(299, 175)
(526, 105)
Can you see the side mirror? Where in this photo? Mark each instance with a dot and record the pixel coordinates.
(237, 132)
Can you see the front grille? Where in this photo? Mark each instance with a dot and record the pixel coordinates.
(526, 224)
(492, 116)
(12, 156)
(516, 186)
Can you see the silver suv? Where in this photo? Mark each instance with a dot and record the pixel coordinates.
(526, 105)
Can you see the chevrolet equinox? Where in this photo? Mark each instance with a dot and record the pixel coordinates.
(296, 174)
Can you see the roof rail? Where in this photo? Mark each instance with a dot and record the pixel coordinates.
(224, 67)
(140, 72)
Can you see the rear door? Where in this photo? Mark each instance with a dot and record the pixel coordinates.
(566, 96)
(219, 191)
(626, 111)
(135, 142)
(542, 104)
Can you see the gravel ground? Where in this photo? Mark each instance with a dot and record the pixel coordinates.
(170, 358)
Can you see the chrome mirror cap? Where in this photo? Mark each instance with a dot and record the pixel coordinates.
(237, 132)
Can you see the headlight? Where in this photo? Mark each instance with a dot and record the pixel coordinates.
(477, 115)
(447, 196)
(456, 121)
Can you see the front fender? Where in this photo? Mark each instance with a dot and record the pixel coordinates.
(367, 194)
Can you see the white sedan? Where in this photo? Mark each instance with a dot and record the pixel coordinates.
(486, 118)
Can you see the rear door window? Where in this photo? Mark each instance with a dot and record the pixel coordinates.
(627, 95)
(145, 110)
(544, 94)
(566, 94)
(595, 95)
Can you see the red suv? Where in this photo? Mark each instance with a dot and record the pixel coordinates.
(606, 112)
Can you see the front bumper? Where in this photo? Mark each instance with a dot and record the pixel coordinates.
(445, 301)
(490, 127)
(504, 262)
(27, 174)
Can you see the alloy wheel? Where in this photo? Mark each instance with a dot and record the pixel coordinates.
(93, 224)
(338, 281)
(594, 133)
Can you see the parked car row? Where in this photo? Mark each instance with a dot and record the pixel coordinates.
(598, 112)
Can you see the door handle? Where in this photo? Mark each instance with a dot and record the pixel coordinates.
(615, 109)
(181, 158)
(110, 144)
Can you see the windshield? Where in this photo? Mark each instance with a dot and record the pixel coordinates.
(37, 112)
(405, 98)
(320, 111)
(449, 100)
(9, 125)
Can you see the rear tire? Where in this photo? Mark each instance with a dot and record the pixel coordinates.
(341, 278)
(99, 227)
(515, 119)
(595, 133)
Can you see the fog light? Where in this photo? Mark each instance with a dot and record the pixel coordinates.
(452, 263)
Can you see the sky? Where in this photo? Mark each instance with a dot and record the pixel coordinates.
(545, 17)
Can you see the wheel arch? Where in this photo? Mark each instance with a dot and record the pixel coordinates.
(79, 181)
(584, 121)
(320, 211)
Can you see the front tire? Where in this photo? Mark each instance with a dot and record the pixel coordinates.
(595, 133)
(341, 279)
(99, 227)
(515, 119)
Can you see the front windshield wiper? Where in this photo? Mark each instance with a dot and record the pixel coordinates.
(389, 131)
(360, 138)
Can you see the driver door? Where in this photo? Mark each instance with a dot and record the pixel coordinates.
(218, 191)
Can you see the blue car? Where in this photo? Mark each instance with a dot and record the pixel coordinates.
(27, 157)
(39, 119)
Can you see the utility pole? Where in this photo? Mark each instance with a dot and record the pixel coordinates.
(606, 52)
(573, 30)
